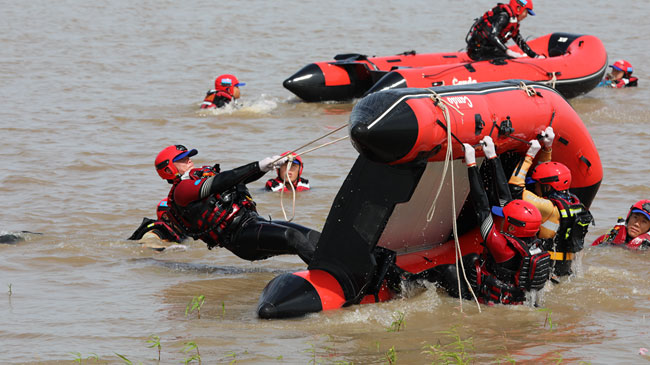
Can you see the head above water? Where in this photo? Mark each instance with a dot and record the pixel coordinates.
(623, 66)
(165, 161)
(296, 168)
(521, 218)
(638, 218)
(229, 84)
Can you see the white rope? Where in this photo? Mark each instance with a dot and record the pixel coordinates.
(529, 89)
(293, 191)
(553, 79)
(448, 157)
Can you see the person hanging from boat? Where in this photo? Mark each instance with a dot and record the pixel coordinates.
(631, 232)
(152, 231)
(226, 89)
(513, 262)
(489, 34)
(216, 207)
(288, 176)
(565, 220)
(621, 76)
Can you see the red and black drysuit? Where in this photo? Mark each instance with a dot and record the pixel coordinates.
(216, 208)
(489, 34)
(509, 266)
(159, 227)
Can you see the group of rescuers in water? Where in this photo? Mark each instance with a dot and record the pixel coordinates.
(530, 235)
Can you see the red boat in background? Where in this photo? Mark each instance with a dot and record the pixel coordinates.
(383, 228)
(575, 64)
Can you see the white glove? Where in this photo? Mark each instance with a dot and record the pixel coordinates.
(470, 155)
(548, 136)
(540, 56)
(534, 148)
(488, 147)
(514, 54)
(269, 163)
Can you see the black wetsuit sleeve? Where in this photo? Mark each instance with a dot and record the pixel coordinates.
(481, 202)
(500, 181)
(228, 179)
(493, 37)
(524, 46)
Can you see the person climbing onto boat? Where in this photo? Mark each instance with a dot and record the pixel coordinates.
(226, 89)
(631, 232)
(159, 229)
(216, 207)
(489, 34)
(621, 76)
(513, 261)
(565, 220)
(288, 176)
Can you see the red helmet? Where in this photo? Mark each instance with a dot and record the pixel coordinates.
(226, 83)
(554, 174)
(297, 160)
(642, 206)
(166, 157)
(518, 6)
(522, 218)
(623, 65)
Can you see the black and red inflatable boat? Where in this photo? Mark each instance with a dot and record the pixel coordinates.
(574, 65)
(382, 227)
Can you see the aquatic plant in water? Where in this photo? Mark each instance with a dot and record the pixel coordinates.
(195, 304)
(190, 346)
(398, 322)
(451, 353)
(155, 342)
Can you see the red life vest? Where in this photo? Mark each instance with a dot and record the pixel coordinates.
(277, 185)
(215, 99)
(212, 219)
(617, 236)
(497, 284)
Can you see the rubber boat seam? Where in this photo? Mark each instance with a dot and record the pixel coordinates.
(484, 91)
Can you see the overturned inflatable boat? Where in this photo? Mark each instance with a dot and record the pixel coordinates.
(575, 64)
(383, 226)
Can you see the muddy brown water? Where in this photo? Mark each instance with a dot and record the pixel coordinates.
(90, 92)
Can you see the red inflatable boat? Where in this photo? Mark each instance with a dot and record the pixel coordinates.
(575, 65)
(382, 226)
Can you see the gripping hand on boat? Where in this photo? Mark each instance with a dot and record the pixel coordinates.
(534, 148)
(547, 137)
(470, 155)
(488, 147)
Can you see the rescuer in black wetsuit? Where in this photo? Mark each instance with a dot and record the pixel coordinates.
(488, 35)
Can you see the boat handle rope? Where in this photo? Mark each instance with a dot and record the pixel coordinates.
(438, 102)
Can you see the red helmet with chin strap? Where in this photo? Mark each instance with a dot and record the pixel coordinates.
(227, 83)
(623, 65)
(553, 174)
(165, 160)
(519, 6)
(642, 207)
(521, 218)
(297, 160)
